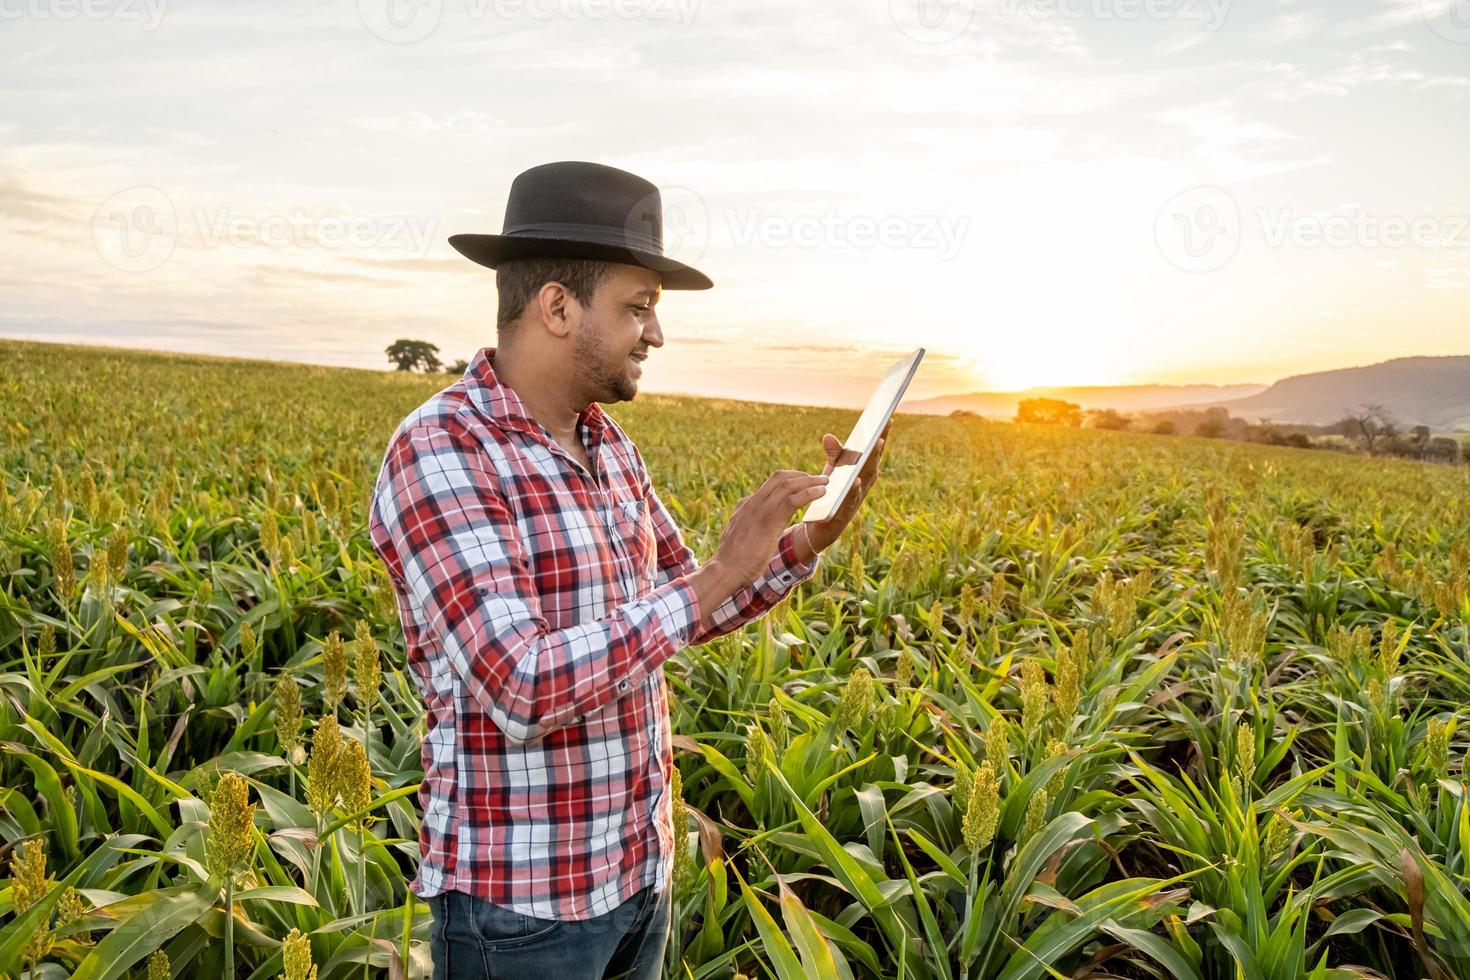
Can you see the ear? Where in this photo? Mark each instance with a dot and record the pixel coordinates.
(558, 309)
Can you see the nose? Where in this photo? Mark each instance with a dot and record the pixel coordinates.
(653, 334)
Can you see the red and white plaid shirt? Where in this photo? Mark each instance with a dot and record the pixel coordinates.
(539, 602)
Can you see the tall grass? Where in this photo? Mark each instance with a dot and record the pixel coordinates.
(1065, 704)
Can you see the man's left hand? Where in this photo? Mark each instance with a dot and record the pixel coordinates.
(823, 533)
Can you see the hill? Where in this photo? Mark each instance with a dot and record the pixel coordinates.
(1125, 398)
(1433, 391)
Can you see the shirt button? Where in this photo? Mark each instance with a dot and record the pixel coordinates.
(622, 685)
(483, 590)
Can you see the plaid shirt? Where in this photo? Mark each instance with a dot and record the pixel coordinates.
(539, 601)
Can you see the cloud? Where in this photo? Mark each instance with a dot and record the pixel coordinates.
(1294, 25)
(20, 203)
(1057, 137)
(1391, 15)
(417, 267)
(272, 275)
(1288, 82)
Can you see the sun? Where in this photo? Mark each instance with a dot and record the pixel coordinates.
(1015, 374)
(1022, 363)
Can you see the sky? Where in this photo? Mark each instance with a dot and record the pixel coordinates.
(1039, 192)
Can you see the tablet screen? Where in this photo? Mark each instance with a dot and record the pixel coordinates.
(864, 435)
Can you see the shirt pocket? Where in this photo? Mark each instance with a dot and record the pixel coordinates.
(636, 530)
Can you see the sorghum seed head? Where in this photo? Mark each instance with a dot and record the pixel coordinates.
(367, 668)
(1035, 815)
(29, 883)
(964, 782)
(249, 642)
(117, 552)
(1278, 835)
(1437, 747)
(288, 713)
(334, 670)
(779, 725)
(230, 839)
(856, 702)
(904, 671)
(998, 744)
(1245, 753)
(296, 957)
(321, 767)
(270, 535)
(63, 565)
(1035, 693)
(983, 811)
(757, 750)
(354, 777)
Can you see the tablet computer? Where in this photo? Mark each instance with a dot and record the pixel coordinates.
(864, 436)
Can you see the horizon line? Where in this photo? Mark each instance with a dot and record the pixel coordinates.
(122, 348)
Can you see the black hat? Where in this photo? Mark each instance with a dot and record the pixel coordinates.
(578, 210)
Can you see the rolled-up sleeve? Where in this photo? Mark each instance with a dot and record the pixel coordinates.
(676, 560)
(440, 509)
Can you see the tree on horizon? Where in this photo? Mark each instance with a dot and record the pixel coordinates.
(410, 355)
(1049, 411)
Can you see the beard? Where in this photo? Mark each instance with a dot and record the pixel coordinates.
(606, 375)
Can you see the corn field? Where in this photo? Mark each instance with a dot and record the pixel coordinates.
(1061, 703)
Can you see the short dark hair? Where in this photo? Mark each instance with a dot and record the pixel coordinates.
(519, 280)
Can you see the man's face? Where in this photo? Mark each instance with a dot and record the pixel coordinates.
(616, 330)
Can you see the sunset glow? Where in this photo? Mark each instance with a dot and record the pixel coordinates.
(1041, 194)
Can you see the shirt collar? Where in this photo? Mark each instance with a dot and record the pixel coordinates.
(501, 404)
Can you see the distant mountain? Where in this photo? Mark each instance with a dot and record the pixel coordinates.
(1130, 398)
(1433, 391)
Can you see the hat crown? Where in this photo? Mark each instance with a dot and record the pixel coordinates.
(573, 209)
(573, 198)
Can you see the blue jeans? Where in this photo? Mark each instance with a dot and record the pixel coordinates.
(472, 939)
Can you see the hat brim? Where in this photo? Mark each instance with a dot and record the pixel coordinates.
(491, 250)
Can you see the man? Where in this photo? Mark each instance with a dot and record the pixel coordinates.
(542, 584)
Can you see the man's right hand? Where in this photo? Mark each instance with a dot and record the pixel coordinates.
(749, 540)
